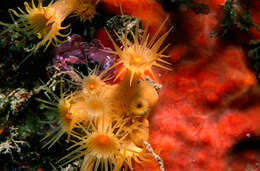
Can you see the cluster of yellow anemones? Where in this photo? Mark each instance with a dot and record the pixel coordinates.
(46, 21)
(107, 123)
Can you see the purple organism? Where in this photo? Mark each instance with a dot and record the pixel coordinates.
(76, 51)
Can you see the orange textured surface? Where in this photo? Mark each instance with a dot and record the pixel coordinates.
(209, 103)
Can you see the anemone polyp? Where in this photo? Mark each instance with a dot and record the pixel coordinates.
(93, 85)
(71, 111)
(65, 115)
(100, 146)
(95, 106)
(74, 112)
(64, 120)
(86, 10)
(140, 132)
(147, 91)
(139, 107)
(139, 56)
(103, 150)
(45, 22)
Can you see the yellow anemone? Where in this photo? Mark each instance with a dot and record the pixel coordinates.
(86, 10)
(45, 22)
(100, 146)
(139, 56)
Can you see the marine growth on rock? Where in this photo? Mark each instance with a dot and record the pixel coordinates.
(156, 85)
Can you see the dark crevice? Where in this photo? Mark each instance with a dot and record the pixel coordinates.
(250, 143)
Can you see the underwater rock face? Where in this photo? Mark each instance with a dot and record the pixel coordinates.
(207, 117)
